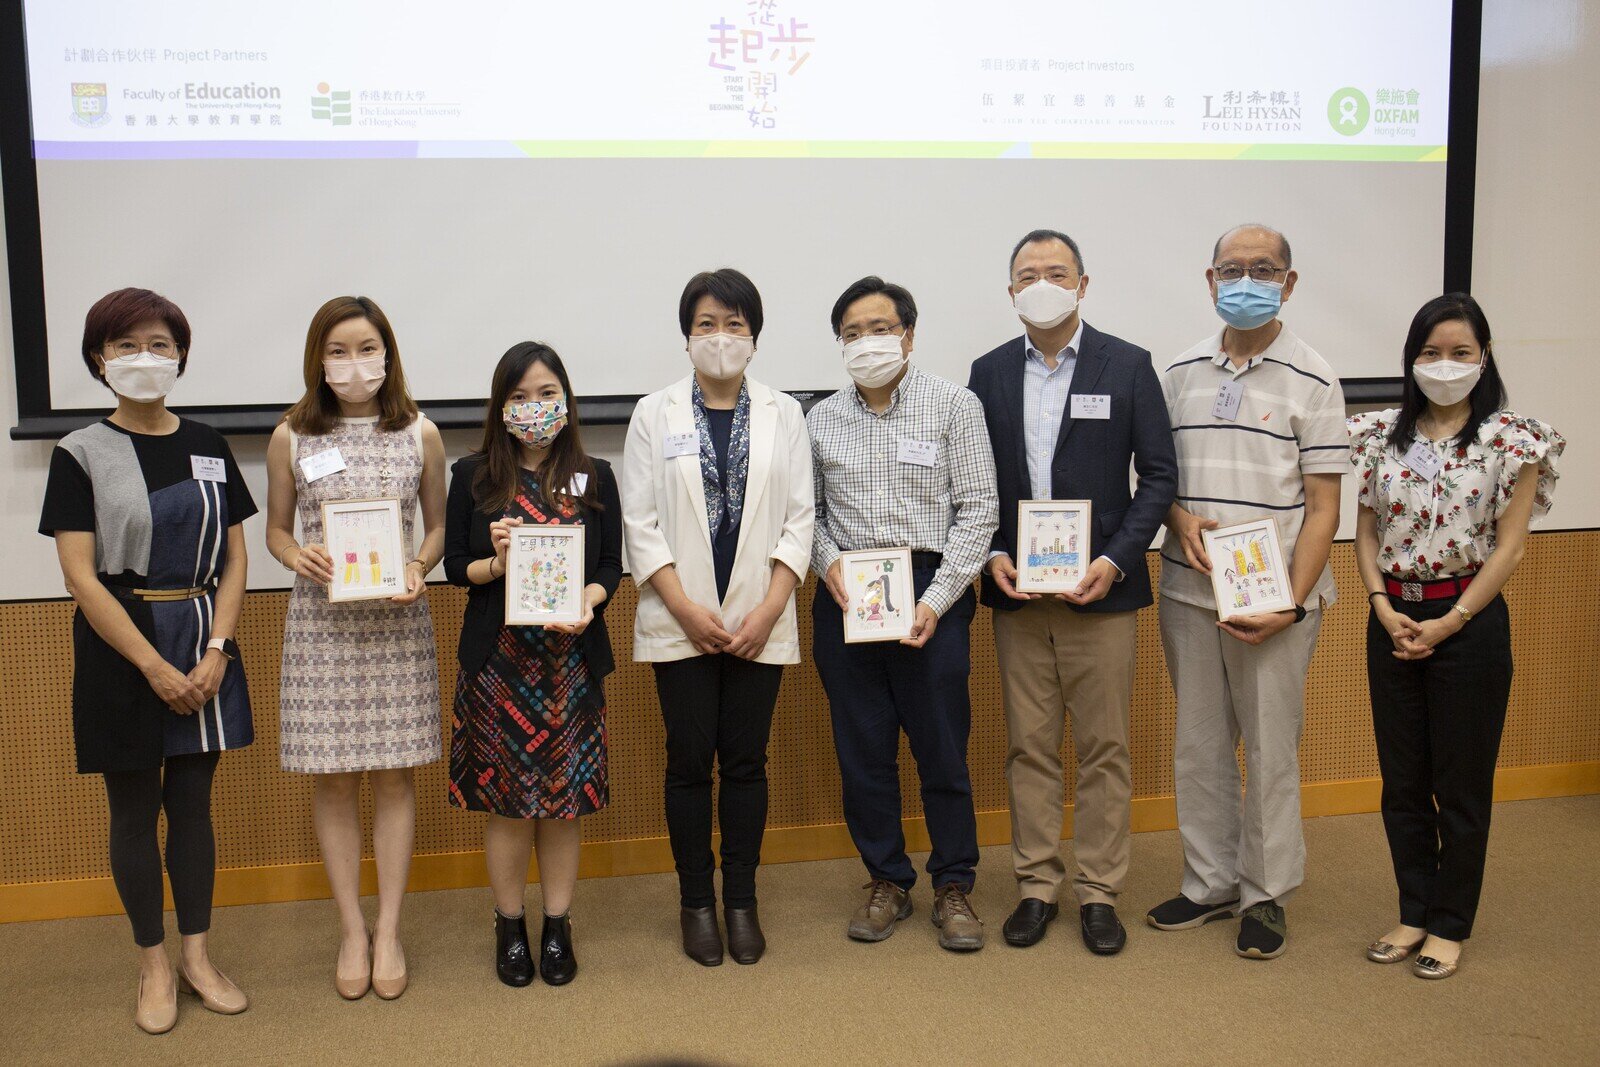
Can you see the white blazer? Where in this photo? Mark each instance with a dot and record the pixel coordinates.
(664, 519)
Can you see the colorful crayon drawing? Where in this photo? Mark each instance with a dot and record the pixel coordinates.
(1054, 553)
(543, 580)
(357, 538)
(876, 606)
(1248, 578)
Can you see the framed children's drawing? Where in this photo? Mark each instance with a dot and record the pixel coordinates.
(1052, 545)
(1248, 574)
(544, 575)
(882, 601)
(366, 543)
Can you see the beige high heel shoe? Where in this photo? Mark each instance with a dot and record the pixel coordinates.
(231, 1001)
(156, 1020)
(390, 988)
(355, 988)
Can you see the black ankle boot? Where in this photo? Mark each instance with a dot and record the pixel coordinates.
(513, 961)
(557, 964)
(745, 942)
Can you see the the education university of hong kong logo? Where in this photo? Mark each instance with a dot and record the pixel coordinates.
(89, 104)
(331, 107)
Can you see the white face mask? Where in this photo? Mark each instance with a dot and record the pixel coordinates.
(1447, 381)
(1045, 304)
(874, 360)
(721, 356)
(141, 376)
(355, 381)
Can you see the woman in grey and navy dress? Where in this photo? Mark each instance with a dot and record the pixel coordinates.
(146, 510)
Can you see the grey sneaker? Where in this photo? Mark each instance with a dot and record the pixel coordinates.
(1263, 932)
(886, 905)
(960, 929)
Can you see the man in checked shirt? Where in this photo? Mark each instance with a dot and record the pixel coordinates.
(902, 460)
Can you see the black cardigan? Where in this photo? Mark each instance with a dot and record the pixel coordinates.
(466, 539)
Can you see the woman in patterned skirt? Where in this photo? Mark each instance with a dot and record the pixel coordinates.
(147, 511)
(529, 745)
(360, 679)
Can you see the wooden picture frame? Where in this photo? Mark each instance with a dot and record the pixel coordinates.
(366, 542)
(544, 575)
(1249, 575)
(881, 597)
(1053, 544)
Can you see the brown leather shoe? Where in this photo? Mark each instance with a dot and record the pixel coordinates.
(886, 905)
(702, 938)
(960, 929)
(745, 940)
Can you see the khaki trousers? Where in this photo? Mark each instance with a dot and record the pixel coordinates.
(1054, 663)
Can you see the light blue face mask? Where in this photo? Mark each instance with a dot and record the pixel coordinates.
(1247, 303)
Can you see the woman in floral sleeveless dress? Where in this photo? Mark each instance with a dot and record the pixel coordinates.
(360, 680)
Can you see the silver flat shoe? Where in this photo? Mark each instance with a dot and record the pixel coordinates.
(1383, 952)
(1428, 967)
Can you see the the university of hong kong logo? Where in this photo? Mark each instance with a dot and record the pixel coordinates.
(89, 104)
(331, 107)
(1348, 111)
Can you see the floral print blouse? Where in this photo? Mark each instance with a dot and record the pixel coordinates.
(1444, 526)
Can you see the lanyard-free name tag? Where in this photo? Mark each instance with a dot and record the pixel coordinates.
(1229, 397)
(1091, 406)
(208, 468)
(918, 453)
(324, 463)
(1423, 459)
(686, 443)
(580, 482)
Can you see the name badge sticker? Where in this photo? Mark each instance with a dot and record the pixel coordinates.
(580, 482)
(918, 453)
(1229, 397)
(1091, 405)
(329, 461)
(208, 468)
(686, 443)
(1423, 459)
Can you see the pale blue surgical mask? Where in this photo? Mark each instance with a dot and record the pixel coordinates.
(1247, 303)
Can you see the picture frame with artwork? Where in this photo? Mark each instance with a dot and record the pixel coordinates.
(544, 575)
(366, 542)
(1248, 572)
(1052, 544)
(881, 596)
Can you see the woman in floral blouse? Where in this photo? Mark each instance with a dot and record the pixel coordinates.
(1449, 482)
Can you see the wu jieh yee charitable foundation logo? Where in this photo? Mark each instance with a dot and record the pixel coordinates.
(329, 106)
(89, 104)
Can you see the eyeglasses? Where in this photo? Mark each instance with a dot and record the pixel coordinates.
(878, 329)
(1261, 272)
(127, 346)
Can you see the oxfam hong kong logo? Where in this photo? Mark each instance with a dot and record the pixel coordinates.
(332, 107)
(1348, 111)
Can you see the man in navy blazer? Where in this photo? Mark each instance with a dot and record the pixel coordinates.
(1068, 409)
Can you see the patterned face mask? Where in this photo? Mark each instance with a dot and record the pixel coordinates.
(535, 422)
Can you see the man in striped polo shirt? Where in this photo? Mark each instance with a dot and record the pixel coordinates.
(1258, 420)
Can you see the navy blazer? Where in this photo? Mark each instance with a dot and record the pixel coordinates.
(466, 539)
(1091, 457)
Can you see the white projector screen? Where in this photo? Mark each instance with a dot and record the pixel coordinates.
(491, 172)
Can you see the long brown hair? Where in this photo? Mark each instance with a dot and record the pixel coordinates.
(495, 485)
(318, 409)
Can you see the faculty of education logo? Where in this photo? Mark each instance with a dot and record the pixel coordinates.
(89, 104)
(333, 107)
(1348, 111)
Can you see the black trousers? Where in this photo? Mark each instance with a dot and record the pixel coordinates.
(183, 789)
(876, 690)
(717, 710)
(1437, 722)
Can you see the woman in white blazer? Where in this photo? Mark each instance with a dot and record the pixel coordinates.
(717, 513)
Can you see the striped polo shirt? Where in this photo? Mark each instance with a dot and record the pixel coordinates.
(1290, 423)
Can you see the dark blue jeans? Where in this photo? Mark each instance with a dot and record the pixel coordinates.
(877, 690)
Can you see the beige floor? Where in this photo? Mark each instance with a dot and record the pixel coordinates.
(1526, 992)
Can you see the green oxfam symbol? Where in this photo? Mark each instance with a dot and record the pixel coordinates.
(1348, 111)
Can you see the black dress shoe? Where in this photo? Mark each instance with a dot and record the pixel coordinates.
(513, 961)
(557, 964)
(1102, 930)
(1026, 925)
(745, 943)
(702, 939)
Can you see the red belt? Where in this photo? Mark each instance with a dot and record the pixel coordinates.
(1442, 589)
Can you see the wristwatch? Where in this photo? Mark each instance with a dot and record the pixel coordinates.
(225, 645)
(1299, 613)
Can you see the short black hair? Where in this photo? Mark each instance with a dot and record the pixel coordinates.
(727, 287)
(871, 285)
(1283, 242)
(1044, 235)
